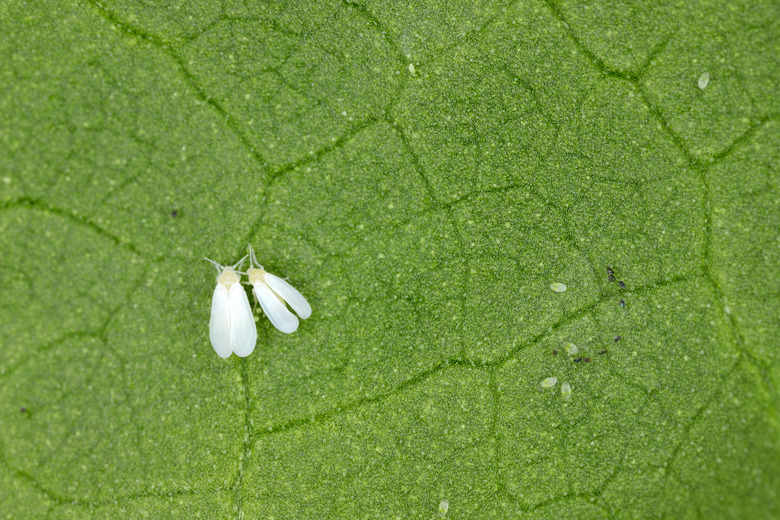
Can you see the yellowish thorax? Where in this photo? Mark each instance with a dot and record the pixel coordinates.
(256, 275)
(228, 277)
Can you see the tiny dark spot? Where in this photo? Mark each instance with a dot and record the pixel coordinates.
(23, 409)
(175, 213)
(602, 352)
(622, 284)
(577, 360)
(617, 338)
(622, 303)
(586, 360)
(555, 352)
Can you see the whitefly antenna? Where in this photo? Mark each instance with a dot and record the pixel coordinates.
(216, 264)
(238, 264)
(253, 259)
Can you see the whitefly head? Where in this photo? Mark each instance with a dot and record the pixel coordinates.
(255, 274)
(228, 274)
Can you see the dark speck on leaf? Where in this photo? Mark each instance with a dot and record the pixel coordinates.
(555, 352)
(617, 338)
(577, 360)
(622, 284)
(175, 213)
(23, 409)
(602, 352)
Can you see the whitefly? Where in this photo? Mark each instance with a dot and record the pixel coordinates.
(232, 324)
(274, 295)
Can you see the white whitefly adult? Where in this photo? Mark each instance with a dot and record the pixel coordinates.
(272, 293)
(232, 326)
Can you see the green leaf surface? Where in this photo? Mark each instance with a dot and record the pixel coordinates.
(422, 171)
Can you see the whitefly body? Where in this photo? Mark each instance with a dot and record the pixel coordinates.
(274, 295)
(232, 326)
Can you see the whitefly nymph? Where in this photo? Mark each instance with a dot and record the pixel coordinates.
(232, 325)
(566, 391)
(274, 294)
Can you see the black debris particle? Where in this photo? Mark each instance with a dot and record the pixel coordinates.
(175, 213)
(23, 409)
(555, 352)
(622, 284)
(617, 338)
(602, 352)
(577, 360)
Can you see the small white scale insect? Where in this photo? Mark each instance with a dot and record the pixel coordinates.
(272, 293)
(232, 325)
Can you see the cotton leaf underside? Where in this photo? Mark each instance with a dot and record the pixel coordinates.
(422, 172)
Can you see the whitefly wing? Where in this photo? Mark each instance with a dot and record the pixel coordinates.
(275, 309)
(289, 294)
(219, 326)
(243, 333)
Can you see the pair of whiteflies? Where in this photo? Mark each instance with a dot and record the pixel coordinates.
(232, 326)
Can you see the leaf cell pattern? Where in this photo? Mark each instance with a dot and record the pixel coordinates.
(424, 210)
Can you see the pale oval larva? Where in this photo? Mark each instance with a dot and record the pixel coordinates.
(557, 287)
(566, 390)
(549, 382)
(704, 80)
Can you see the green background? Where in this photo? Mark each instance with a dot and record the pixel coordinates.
(424, 212)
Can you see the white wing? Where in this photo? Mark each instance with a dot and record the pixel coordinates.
(275, 309)
(289, 294)
(219, 326)
(243, 333)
